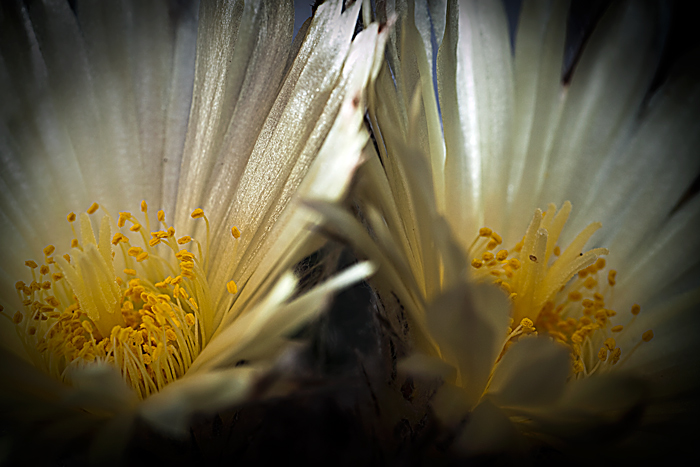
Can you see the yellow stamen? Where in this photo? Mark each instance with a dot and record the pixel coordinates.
(143, 322)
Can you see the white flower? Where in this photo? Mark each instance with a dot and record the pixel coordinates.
(212, 122)
(450, 200)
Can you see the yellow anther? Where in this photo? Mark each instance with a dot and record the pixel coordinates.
(44, 269)
(194, 304)
(154, 241)
(189, 319)
(187, 265)
(50, 260)
(636, 309)
(502, 255)
(615, 357)
(575, 296)
(171, 231)
(170, 334)
(74, 243)
(598, 296)
(135, 251)
(514, 263)
(582, 273)
(144, 206)
(123, 217)
(647, 336)
(183, 240)
(53, 301)
(135, 227)
(31, 264)
(87, 326)
(161, 285)
(491, 244)
(603, 354)
(17, 318)
(497, 238)
(590, 283)
(578, 366)
(611, 277)
(187, 273)
(487, 256)
(129, 272)
(176, 280)
(557, 252)
(527, 323)
(49, 250)
(93, 208)
(600, 263)
(71, 217)
(184, 255)
(57, 276)
(231, 287)
(197, 213)
(609, 343)
(617, 328)
(485, 232)
(477, 263)
(587, 303)
(161, 216)
(235, 232)
(141, 256)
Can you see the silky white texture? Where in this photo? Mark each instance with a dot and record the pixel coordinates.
(516, 139)
(190, 106)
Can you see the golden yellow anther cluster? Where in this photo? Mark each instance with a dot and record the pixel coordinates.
(561, 294)
(145, 320)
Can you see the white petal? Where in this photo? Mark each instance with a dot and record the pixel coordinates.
(476, 93)
(539, 52)
(606, 90)
(170, 410)
(488, 430)
(468, 323)
(533, 372)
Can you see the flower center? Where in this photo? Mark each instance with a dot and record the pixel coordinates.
(143, 311)
(561, 293)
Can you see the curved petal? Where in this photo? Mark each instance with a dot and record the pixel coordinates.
(532, 373)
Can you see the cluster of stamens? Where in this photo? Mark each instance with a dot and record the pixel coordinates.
(561, 294)
(146, 319)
